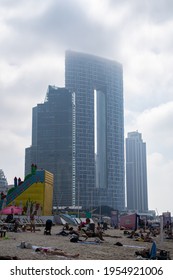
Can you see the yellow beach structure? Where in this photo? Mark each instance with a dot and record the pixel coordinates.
(37, 190)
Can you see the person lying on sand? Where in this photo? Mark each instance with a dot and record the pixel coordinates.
(55, 251)
(145, 253)
(144, 238)
(9, 258)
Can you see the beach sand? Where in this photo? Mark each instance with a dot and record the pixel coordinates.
(107, 250)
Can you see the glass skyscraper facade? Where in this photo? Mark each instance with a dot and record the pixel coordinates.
(78, 134)
(99, 139)
(136, 173)
(52, 149)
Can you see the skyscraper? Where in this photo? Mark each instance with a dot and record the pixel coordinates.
(78, 134)
(136, 173)
(99, 126)
(51, 147)
(3, 182)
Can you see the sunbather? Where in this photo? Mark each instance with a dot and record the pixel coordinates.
(9, 258)
(145, 253)
(55, 251)
(88, 233)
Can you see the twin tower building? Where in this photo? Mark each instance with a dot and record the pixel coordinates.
(78, 134)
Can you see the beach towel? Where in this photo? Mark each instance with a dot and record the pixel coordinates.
(89, 242)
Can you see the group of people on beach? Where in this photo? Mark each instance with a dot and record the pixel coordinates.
(84, 229)
(14, 224)
(139, 236)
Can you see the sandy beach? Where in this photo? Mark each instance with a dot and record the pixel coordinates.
(106, 250)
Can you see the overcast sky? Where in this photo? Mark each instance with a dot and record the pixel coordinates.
(33, 38)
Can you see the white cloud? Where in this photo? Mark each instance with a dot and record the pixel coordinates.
(156, 127)
(138, 34)
(160, 180)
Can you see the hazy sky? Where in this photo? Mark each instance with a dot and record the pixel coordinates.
(33, 38)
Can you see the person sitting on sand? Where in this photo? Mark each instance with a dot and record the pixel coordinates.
(55, 251)
(99, 232)
(147, 238)
(131, 234)
(66, 232)
(16, 225)
(88, 233)
(144, 238)
(66, 226)
(63, 233)
(24, 228)
(72, 231)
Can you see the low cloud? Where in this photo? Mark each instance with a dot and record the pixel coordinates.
(138, 34)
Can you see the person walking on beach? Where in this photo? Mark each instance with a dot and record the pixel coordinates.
(32, 222)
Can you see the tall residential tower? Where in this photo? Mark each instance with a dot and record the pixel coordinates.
(51, 147)
(136, 173)
(98, 87)
(78, 134)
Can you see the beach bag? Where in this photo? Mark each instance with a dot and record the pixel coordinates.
(74, 238)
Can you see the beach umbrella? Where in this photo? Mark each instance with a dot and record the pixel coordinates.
(11, 210)
(153, 251)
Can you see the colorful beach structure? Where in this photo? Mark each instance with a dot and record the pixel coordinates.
(34, 193)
